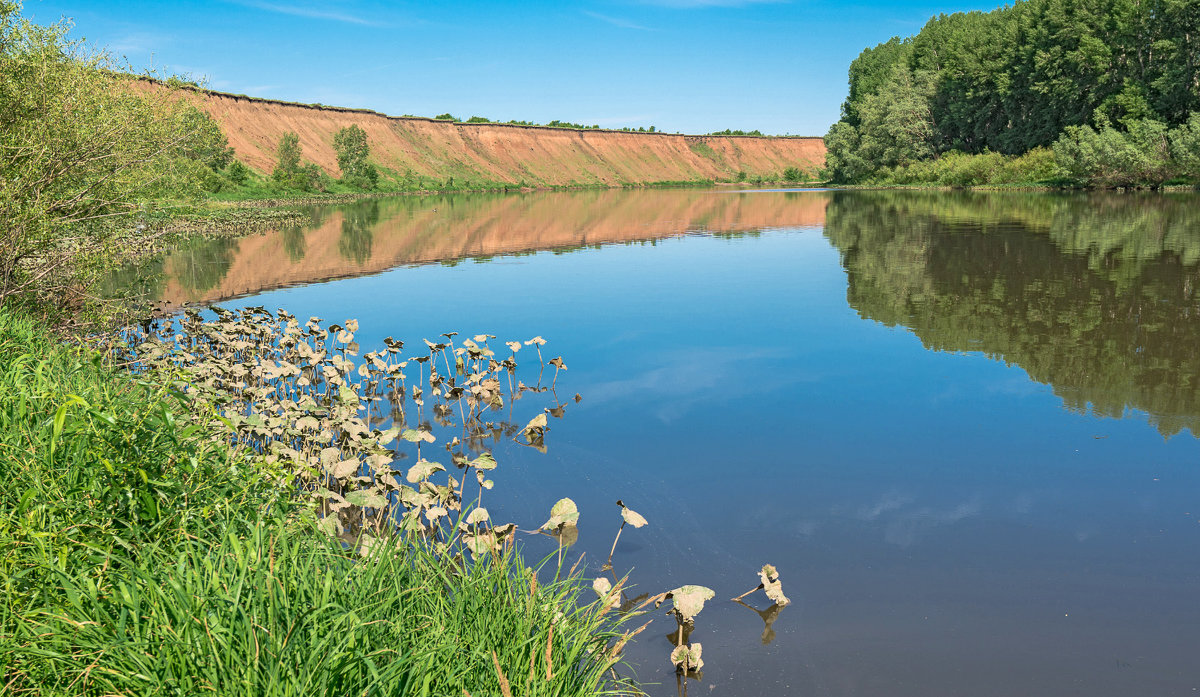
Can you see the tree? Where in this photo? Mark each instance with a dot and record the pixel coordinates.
(288, 153)
(350, 143)
(896, 125)
(290, 172)
(82, 145)
(843, 160)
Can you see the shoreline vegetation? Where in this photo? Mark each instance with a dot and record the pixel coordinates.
(1055, 93)
(154, 545)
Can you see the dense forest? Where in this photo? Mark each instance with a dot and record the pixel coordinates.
(1103, 92)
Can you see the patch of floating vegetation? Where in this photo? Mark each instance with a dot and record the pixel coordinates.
(335, 427)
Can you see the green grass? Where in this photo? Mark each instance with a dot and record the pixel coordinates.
(140, 557)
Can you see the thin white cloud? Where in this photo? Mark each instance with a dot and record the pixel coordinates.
(307, 12)
(138, 42)
(616, 21)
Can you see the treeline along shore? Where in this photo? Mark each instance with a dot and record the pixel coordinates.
(1064, 92)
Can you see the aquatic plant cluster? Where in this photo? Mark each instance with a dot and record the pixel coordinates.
(316, 416)
(302, 402)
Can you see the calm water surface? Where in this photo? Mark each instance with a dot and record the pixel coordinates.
(963, 426)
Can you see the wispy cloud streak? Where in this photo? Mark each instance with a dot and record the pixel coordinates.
(616, 21)
(308, 12)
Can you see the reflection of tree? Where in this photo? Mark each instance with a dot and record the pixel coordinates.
(1095, 296)
(357, 236)
(201, 264)
(294, 243)
(140, 282)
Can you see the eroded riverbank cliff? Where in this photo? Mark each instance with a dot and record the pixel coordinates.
(519, 155)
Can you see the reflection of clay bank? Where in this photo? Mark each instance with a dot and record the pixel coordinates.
(413, 230)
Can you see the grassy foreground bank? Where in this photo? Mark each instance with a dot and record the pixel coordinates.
(143, 557)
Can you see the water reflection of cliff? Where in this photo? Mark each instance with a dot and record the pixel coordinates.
(1094, 295)
(380, 234)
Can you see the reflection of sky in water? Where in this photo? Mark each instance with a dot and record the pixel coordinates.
(943, 524)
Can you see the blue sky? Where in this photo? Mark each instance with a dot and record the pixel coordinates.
(681, 65)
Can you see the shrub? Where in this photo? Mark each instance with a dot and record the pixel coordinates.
(1140, 155)
(81, 145)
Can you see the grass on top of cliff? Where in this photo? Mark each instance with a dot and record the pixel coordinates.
(143, 556)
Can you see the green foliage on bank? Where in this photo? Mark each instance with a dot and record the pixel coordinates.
(83, 149)
(1111, 87)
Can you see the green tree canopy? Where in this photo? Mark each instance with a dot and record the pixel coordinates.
(350, 143)
(1018, 78)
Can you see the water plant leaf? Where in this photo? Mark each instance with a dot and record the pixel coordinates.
(689, 600)
(329, 525)
(480, 543)
(687, 658)
(479, 515)
(484, 462)
(604, 589)
(769, 577)
(367, 499)
(536, 340)
(562, 513)
(632, 517)
(422, 470)
(413, 435)
(343, 469)
(536, 428)
(567, 536)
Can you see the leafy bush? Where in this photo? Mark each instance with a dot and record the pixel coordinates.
(81, 145)
(238, 173)
(1139, 155)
